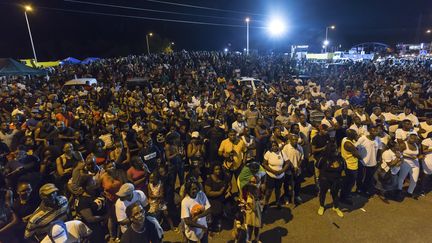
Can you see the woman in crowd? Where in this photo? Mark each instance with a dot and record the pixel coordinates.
(330, 166)
(138, 173)
(216, 187)
(275, 165)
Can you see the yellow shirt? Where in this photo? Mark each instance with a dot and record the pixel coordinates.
(240, 148)
(350, 159)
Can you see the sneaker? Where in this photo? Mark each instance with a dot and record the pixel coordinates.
(321, 211)
(338, 212)
(298, 200)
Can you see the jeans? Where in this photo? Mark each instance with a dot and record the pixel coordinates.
(293, 181)
(365, 178)
(348, 183)
(178, 167)
(329, 183)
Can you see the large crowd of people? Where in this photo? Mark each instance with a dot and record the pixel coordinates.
(188, 148)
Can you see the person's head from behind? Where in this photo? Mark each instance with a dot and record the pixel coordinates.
(254, 167)
(351, 134)
(323, 129)
(136, 213)
(331, 150)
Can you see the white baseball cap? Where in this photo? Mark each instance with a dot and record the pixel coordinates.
(59, 234)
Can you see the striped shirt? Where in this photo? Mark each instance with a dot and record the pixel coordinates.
(39, 222)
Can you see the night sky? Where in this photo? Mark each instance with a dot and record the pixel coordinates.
(58, 34)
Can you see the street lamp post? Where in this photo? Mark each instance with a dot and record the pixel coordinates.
(326, 42)
(29, 8)
(247, 35)
(147, 41)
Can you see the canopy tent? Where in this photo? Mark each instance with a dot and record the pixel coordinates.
(89, 60)
(10, 67)
(70, 60)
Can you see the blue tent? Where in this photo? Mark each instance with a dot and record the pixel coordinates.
(70, 60)
(89, 60)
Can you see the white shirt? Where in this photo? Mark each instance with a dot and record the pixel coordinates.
(368, 150)
(411, 117)
(388, 116)
(120, 206)
(402, 134)
(306, 130)
(387, 157)
(75, 231)
(427, 128)
(427, 162)
(294, 155)
(239, 127)
(275, 162)
(187, 204)
(362, 130)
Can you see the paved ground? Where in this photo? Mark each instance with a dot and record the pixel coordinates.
(372, 220)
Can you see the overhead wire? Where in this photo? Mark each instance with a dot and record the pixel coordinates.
(151, 10)
(202, 7)
(146, 18)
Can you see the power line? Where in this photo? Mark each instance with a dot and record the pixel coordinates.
(207, 8)
(149, 10)
(146, 18)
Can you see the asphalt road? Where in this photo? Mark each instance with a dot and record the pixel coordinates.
(368, 220)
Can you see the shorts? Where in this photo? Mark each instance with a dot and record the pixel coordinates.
(272, 183)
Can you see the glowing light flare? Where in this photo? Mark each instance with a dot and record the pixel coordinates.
(276, 27)
(28, 8)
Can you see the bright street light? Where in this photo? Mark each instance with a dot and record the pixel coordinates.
(147, 41)
(428, 31)
(225, 49)
(326, 42)
(247, 35)
(28, 8)
(276, 27)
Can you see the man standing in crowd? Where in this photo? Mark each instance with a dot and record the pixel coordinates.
(127, 195)
(53, 207)
(369, 147)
